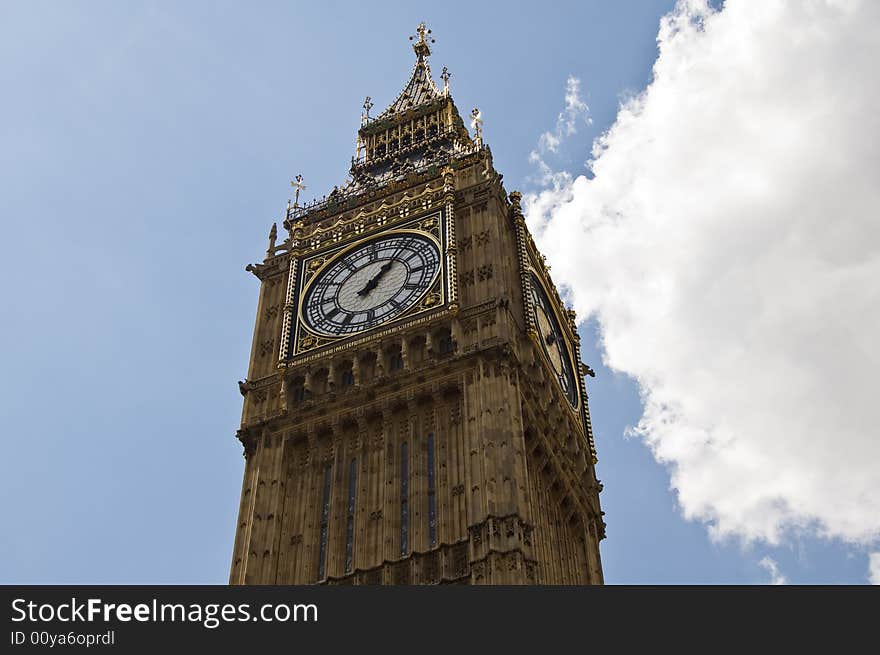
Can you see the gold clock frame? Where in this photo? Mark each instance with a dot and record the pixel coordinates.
(436, 299)
(534, 274)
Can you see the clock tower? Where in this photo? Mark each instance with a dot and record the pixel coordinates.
(415, 409)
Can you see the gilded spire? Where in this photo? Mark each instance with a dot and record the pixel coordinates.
(421, 88)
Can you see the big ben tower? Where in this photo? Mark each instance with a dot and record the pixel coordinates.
(415, 410)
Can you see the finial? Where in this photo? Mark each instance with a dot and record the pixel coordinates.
(273, 235)
(445, 75)
(477, 125)
(421, 47)
(297, 183)
(368, 105)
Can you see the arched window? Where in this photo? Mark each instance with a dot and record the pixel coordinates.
(395, 360)
(347, 378)
(298, 390)
(445, 344)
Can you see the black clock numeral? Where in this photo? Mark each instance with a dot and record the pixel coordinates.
(416, 269)
(410, 286)
(371, 315)
(402, 245)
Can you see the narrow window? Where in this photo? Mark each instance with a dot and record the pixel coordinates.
(349, 523)
(404, 501)
(325, 522)
(432, 499)
(347, 378)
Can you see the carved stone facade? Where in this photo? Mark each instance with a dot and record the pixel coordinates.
(438, 447)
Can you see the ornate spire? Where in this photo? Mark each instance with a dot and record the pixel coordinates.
(421, 88)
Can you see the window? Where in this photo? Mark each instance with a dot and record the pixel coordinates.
(404, 501)
(325, 523)
(349, 523)
(416, 352)
(445, 344)
(395, 361)
(298, 393)
(347, 378)
(432, 497)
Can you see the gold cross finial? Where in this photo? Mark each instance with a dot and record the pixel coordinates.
(297, 183)
(477, 125)
(421, 46)
(368, 105)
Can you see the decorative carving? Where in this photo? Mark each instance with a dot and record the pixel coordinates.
(455, 414)
(401, 573)
(460, 559)
(429, 569)
(431, 300)
(270, 312)
(485, 271)
(373, 577)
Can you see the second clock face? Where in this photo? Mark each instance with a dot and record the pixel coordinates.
(553, 342)
(370, 284)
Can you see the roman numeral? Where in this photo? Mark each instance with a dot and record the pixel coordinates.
(403, 244)
(410, 286)
(371, 315)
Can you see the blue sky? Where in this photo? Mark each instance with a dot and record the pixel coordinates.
(147, 148)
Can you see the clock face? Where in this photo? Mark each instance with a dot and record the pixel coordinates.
(370, 284)
(553, 342)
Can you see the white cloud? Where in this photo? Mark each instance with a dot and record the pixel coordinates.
(769, 564)
(576, 110)
(729, 246)
(874, 568)
(566, 123)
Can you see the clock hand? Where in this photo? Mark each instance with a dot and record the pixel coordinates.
(373, 283)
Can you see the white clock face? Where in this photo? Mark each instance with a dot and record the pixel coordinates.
(370, 284)
(553, 342)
